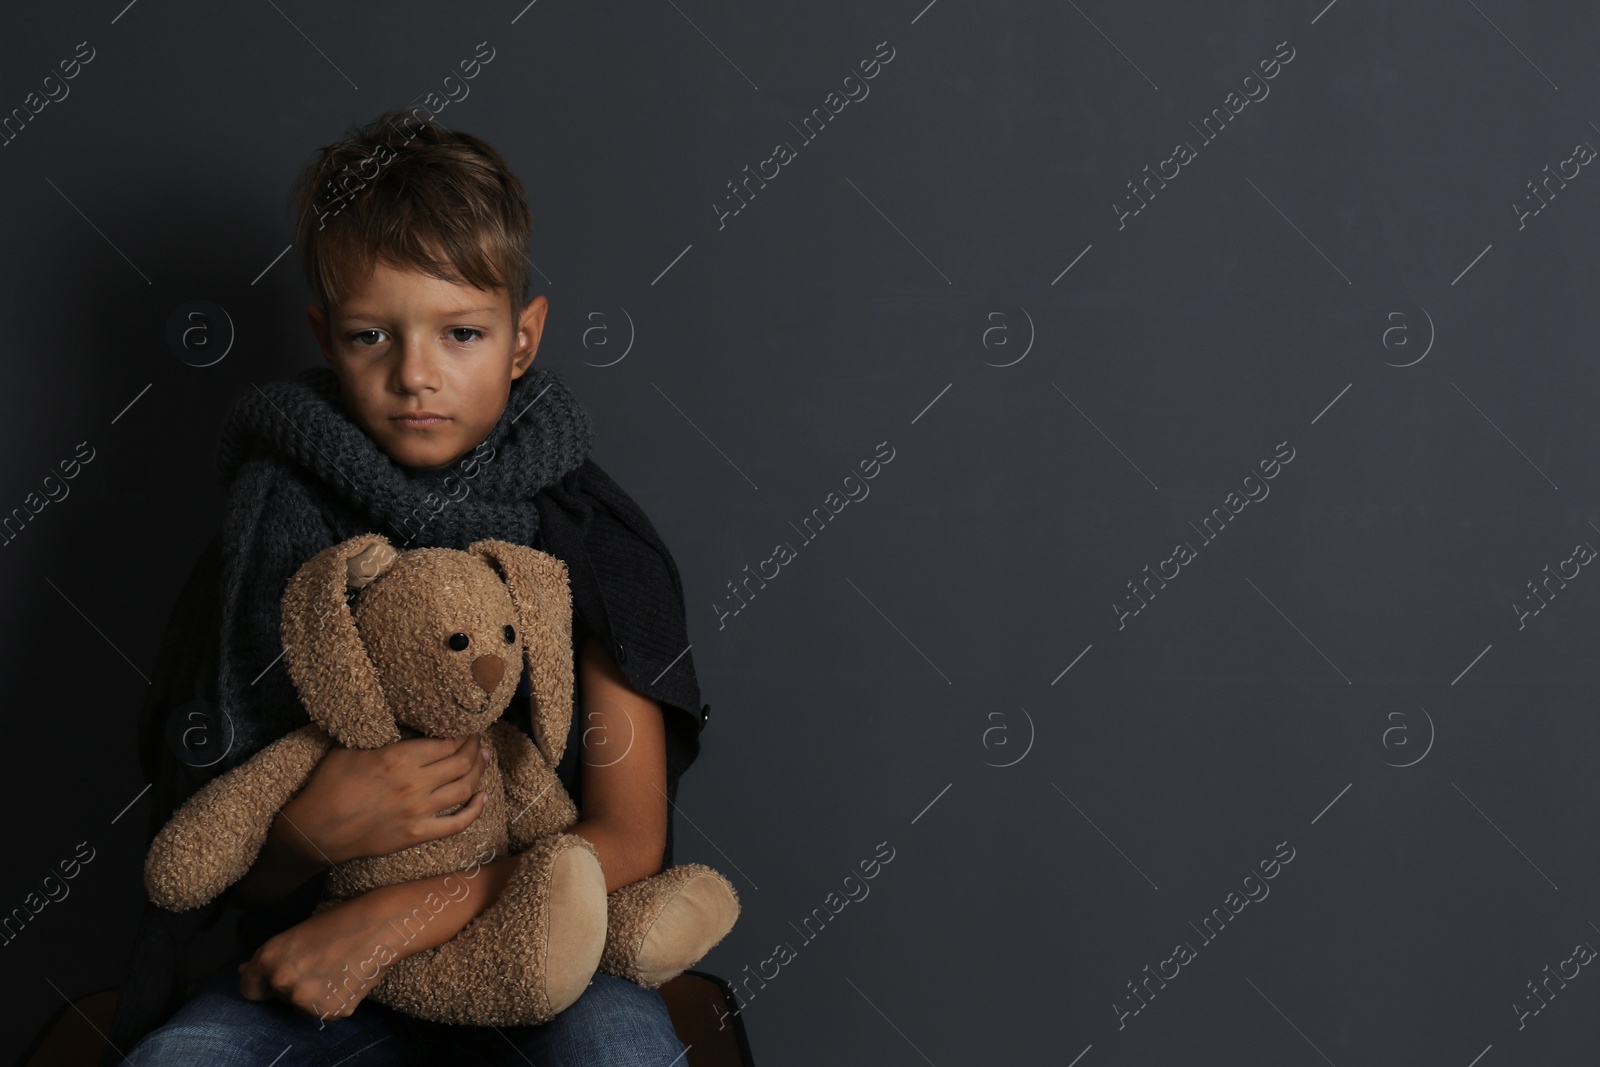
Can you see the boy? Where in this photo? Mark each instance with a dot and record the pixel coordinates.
(427, 425)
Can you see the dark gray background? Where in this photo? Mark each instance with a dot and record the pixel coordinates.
(867, 693)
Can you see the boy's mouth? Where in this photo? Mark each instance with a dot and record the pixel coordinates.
(419, 420)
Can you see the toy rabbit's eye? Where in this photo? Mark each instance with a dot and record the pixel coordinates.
(511, 636)
(459, 641)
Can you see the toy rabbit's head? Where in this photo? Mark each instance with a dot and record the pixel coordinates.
(433, 639)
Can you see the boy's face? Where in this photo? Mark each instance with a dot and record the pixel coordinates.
(406, 343)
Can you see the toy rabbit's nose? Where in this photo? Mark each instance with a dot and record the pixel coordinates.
(487, 672)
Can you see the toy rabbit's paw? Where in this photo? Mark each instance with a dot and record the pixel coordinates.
(660, 926)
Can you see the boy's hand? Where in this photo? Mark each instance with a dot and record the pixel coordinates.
(371, 802)
(324, 966)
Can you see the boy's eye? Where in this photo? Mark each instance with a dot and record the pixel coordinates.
(357, 337)
(457, 330)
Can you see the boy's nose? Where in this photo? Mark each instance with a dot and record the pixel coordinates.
(487, 672)
(415, 367)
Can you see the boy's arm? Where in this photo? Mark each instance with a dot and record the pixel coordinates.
(362, 936)
(287, 859)
(624, 810)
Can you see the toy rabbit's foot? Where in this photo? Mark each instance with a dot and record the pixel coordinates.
(663, 924)
(575, 917)
(528, 957)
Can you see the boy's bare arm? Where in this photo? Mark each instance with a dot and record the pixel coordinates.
(286, 860)
(365, 936)
(624, 770)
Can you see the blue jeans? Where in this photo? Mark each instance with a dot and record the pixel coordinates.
(615, 1023)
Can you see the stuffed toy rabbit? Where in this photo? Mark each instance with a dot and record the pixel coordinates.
(383, 645)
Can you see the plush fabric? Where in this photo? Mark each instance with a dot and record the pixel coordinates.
(658, 922)
(625, 586)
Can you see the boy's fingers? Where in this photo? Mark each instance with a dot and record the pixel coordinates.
(252, 984)
(465, 761)
(452, 793)
(445, 825)
(432, 750)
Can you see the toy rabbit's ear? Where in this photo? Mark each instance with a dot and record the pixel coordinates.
(539, 588)
(332, 672)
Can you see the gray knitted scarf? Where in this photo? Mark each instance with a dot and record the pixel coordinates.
(301, 475)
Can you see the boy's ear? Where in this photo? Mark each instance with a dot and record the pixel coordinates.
(529, 327)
